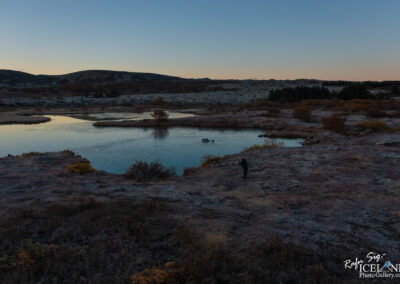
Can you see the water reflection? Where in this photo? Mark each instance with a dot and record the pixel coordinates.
(160, 133)
(115, 149)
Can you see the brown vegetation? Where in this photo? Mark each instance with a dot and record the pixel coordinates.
(89, 241)
(189, 171)
(33, 154)
(208, 160)
(303, 113)
(375, 126)
(334, 123)
(81, 168)
(268, 144)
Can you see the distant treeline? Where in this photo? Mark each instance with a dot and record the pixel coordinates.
(306, 93)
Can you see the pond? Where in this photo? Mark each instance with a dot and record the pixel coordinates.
(116, 149)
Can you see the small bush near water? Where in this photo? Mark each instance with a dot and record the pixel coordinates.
(143, 171)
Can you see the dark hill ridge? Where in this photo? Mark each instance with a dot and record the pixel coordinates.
(21, 79)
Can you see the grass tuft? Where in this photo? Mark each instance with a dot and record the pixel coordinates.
(268, 144)
(80, 168)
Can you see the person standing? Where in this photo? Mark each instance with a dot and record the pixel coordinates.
(244, 165)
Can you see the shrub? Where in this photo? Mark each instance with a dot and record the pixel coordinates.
(80, 168)
(334, 123)
(208, 160)
(375, 126)
(268, 144)
(303, 113)
(158, 101)
(143, 171)
(159, 114)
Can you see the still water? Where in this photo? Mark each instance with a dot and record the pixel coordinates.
(115, 149)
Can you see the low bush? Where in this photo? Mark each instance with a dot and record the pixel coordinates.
(80, 168)
(303, 113)
(268, 144)
(375, 126)
(143, 171)
(159, 114)
(334, 123)
(208, 160)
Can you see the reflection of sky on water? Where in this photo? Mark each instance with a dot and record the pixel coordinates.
(115, 149)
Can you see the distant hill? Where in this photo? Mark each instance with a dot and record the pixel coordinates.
(11, 78)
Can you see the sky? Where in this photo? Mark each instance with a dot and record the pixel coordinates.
(219, 39)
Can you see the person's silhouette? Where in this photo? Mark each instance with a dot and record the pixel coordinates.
(243, 163)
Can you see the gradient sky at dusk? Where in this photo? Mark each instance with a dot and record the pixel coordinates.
(281, 39)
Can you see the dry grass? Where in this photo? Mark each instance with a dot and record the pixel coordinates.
(302, 113)
(375, 126)
(208, 160)
(268, 144)
(80, 168)
(187, 171)
(142, 241)
(334, 123)
(366, 106)
(157, 274)
(86, 242)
